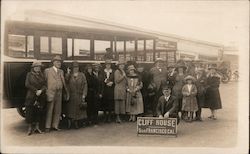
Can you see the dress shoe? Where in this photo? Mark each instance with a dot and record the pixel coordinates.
(56, 129)
(47, 130)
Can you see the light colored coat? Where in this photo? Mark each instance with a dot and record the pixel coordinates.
(55, 81)
(120, 86)
(189, 101)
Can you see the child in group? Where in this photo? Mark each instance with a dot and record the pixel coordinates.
(189, 101)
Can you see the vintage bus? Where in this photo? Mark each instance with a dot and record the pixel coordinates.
(25, 41)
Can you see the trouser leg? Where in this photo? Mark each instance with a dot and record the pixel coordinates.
(57, 109)
(50, 108)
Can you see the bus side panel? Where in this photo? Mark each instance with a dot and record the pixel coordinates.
(14, 83)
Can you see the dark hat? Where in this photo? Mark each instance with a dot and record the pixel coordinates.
(189, 77)
(108, 61)
(131, 67)
(140, 65)
(56, 58)
(36, 63)
(180, 65)
(88, 66)
(159, 60)
(212, 66)
(96, 65)
(108, 49)
(75, 64)
(166, 87)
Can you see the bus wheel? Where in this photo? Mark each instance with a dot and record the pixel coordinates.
(21, 111)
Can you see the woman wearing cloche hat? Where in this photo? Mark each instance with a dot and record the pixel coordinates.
(35, 97)
(77, 86)
(134, 104)
(120, 90)
(212, 96)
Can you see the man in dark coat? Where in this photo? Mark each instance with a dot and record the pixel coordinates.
(167, 106)
(158, 76)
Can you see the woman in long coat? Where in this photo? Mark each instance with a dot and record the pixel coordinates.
(108, 91)
(189, 101)
(200, 83)
(212, 97)
(77, 84)
(120, 90)
(178, 84)
(134, 104)
(35, 97)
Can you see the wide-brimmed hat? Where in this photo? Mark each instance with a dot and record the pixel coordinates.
(189, 77)
(180, 65)
(36, 64)
(96, 65)
(56, 58)
(166, 87)
(75, 64)
(159, 60)
(212, 66)
(88, 66)
(131, 67)
(108, 61)
(121, 62)
(108, 49)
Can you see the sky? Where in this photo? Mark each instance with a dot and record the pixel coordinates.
(224, 22)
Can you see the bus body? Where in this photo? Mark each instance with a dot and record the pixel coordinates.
(26, 41)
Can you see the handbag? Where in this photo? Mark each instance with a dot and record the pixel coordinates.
(83, 105)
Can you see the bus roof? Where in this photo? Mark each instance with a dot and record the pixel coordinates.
(101, 34)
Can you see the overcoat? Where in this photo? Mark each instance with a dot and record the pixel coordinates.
(189, 101)
(108, 91)
(77, 88)
(134, 102)
(200, 83)
(177, 88)
(212, 97)
(35, 81)
(157, 76)
(120, 86)
(170, 105)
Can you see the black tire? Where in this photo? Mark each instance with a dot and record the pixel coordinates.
(21, 111)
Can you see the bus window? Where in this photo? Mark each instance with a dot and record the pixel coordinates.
(140, 56)
(120, 49)
(149, 44)
(82, 47)
(56, 45)
(140, 45)
(30, 46)
(149, 56)
(130, 48)
(163, 55)
(16, 45)
(69, 47)
(44, 44)
(100, 49)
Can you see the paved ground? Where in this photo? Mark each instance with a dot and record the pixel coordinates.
(209, 133)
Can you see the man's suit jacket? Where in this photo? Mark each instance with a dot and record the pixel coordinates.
(164, 106)
(55, 81)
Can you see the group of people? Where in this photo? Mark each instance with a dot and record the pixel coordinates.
(126, 92)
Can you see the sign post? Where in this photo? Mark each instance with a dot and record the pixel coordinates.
(156, 126)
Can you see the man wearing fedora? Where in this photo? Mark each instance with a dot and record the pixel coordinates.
(55, 83)
(158, 77)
